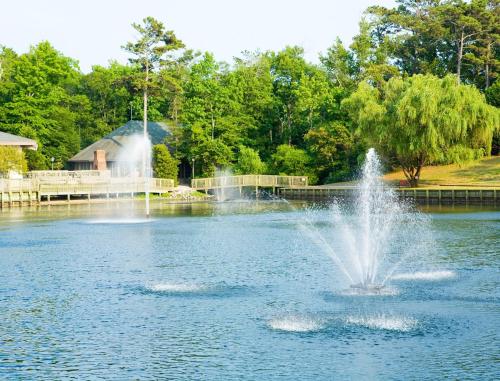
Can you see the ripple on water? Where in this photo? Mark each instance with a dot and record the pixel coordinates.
(178, 287)
(356, 291)
(195, 289)
(119, 221)
(296, 323)
(383, 322)
(425, 275)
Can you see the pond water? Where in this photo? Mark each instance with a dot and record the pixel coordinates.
(236, 291)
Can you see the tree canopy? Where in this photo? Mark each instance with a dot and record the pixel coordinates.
(398, 82)
(424, 120)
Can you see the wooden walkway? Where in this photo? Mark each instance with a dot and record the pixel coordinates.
(256, 181)
(430, 195)
(74, 185)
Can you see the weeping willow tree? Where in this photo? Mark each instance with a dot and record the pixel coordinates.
(424, 120)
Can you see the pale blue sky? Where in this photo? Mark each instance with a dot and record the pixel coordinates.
(92, 31)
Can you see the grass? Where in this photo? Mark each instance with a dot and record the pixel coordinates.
(484, 172)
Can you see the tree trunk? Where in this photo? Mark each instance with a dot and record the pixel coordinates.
(145, 116)
(289, 123)
(459, 57)
(487, 68)
(212, 120)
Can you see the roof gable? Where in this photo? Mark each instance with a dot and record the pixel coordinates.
(113, 142)
(7, 139)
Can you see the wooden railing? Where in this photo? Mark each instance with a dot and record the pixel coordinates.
(72, 185)
(266, 181)
(63, 175)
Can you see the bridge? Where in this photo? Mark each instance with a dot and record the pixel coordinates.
(45, 186)
(257, 181)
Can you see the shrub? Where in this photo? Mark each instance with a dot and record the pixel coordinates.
(249, 162)
(12, 159)
(164, 165)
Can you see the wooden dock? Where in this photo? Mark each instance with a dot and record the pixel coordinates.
(242, 181)
(429, 195)
(75, 185)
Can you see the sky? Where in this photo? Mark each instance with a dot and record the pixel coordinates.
(93, 31)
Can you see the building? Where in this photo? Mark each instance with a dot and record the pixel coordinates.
(116, 152)
(20, 142)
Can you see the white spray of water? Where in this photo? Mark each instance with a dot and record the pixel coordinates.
(425, 275)
(384, 322)
(178, 287)
(296, 323)
(135, 162)
(227, 188)
(371, 239)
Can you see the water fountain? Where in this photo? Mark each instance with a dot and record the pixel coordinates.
(135, 160)
(225, 192)
(378, 232)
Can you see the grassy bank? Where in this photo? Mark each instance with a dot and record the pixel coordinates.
(484, 172)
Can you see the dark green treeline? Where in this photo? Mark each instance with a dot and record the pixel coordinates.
(270, 112)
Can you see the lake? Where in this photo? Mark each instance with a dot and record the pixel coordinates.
(238, 291)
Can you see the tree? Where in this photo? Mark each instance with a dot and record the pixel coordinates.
(423, 120)
(483, 52)
(340, 65)
(39, 100)
(164, 165)
(111, 94)
(149, 51)
(441, 37)
(330, 146)
(206, 98)
(249, 162)
(292, 161)
(12, 159)
(288, 67)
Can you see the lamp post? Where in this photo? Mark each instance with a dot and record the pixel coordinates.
(192, 168)
(52, 161)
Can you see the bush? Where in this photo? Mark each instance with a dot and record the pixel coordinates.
(249, 162)
(36, 160)
(293, 161)
(12, 159)
(164, 165)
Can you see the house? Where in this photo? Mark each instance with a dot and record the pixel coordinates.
(116, 151)
(20, 142)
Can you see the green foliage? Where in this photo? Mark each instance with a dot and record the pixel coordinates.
(164, 165)
(330, 146)
(440, 37)
(36, 160)
(424, 120)
(249, 162)
(38, 100)
(12, 159)
(275, 107)
(293, 161)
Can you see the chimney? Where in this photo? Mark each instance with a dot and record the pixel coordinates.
(99, 160)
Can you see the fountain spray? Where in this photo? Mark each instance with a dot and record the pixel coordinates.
(145, 155)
